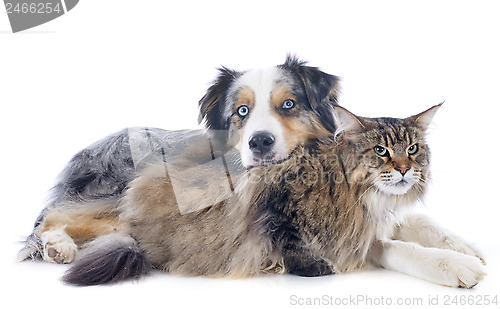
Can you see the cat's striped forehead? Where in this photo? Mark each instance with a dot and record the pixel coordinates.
(394, 132)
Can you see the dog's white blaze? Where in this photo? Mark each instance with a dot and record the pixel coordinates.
(262, 83)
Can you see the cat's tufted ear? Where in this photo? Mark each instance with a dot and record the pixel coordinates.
(346, 122)
(424, 119)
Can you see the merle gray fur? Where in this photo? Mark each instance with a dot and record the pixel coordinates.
(104, 169)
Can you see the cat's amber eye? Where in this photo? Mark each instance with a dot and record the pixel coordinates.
(381, 151)
(412, 149)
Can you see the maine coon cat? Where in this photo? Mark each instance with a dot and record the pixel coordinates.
(331, 207)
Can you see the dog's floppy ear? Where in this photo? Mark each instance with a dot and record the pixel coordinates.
(213, 103)
(319, 86)
(321, 89)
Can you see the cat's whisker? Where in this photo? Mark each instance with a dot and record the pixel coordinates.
(361, 196)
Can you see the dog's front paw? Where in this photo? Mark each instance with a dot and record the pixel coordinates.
(459, 270)
(58, 247)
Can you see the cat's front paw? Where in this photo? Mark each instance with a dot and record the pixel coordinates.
(58, 247)
(459, 270)
(461, 246)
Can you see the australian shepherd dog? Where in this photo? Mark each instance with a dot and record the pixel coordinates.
(250, 118)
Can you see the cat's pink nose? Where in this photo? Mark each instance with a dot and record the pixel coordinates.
(402, 169)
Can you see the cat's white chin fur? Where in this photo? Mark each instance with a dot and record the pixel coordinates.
(398, 189)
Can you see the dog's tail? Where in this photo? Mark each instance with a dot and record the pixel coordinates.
(108, 259)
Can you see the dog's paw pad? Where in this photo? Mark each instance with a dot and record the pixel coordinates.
(52, 253)
(58, 247)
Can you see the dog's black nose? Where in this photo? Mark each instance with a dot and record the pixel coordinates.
(261, 142)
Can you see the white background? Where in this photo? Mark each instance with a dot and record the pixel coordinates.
(112, 64)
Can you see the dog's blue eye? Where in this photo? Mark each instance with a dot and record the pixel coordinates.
(288, 104)
(243, 110)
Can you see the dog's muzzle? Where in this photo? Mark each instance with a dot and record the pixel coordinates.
(261, 143)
